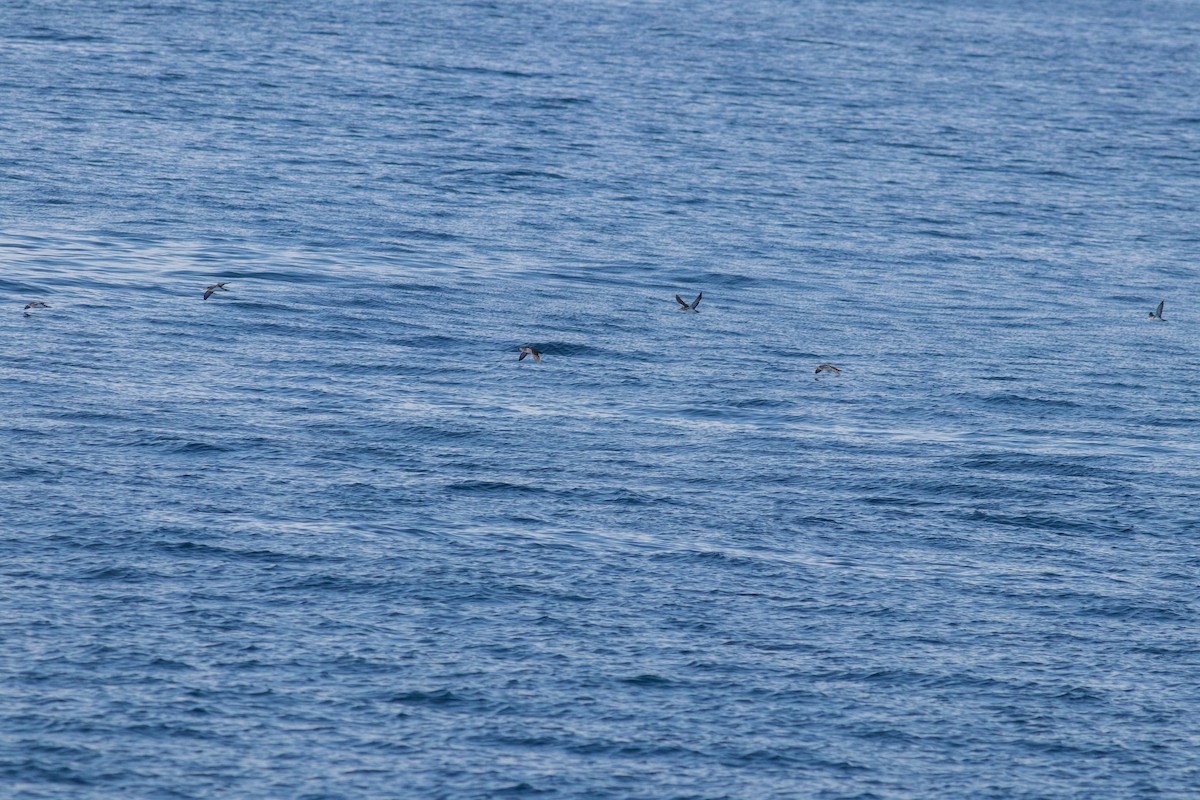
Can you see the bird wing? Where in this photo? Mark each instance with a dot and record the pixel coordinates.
(696, 302)
(522, 356)
(1158, 311)
(679, 300)
(536, 356)
(208, 293)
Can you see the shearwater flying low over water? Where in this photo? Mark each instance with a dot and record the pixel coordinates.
(1157, 313)
(526, 350)
(685, 306)
(830, 368)
(216, 287)
(36, 304)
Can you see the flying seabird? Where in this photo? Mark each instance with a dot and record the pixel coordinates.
(526, 350)
(830, 368)
(1157, 313)
(35, 304)
(685, 306)
(216, 287)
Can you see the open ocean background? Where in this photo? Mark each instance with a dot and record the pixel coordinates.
(324, 537)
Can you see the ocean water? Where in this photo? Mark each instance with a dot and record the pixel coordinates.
(323, 536)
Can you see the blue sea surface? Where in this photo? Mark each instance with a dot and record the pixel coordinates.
(323, 536)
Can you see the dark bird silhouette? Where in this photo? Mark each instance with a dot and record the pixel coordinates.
(684, 306)
(830, 368)
(526, 350)
(35, 304)
(216, 287)
(1157, 313)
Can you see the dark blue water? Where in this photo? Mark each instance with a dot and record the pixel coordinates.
(322, 536)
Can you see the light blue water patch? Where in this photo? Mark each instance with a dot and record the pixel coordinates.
(323, 536)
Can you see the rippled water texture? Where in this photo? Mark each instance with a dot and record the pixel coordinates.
(323, 536)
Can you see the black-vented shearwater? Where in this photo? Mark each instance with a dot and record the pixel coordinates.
(216, 287)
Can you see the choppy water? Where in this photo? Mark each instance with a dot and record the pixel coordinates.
(324, 537)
